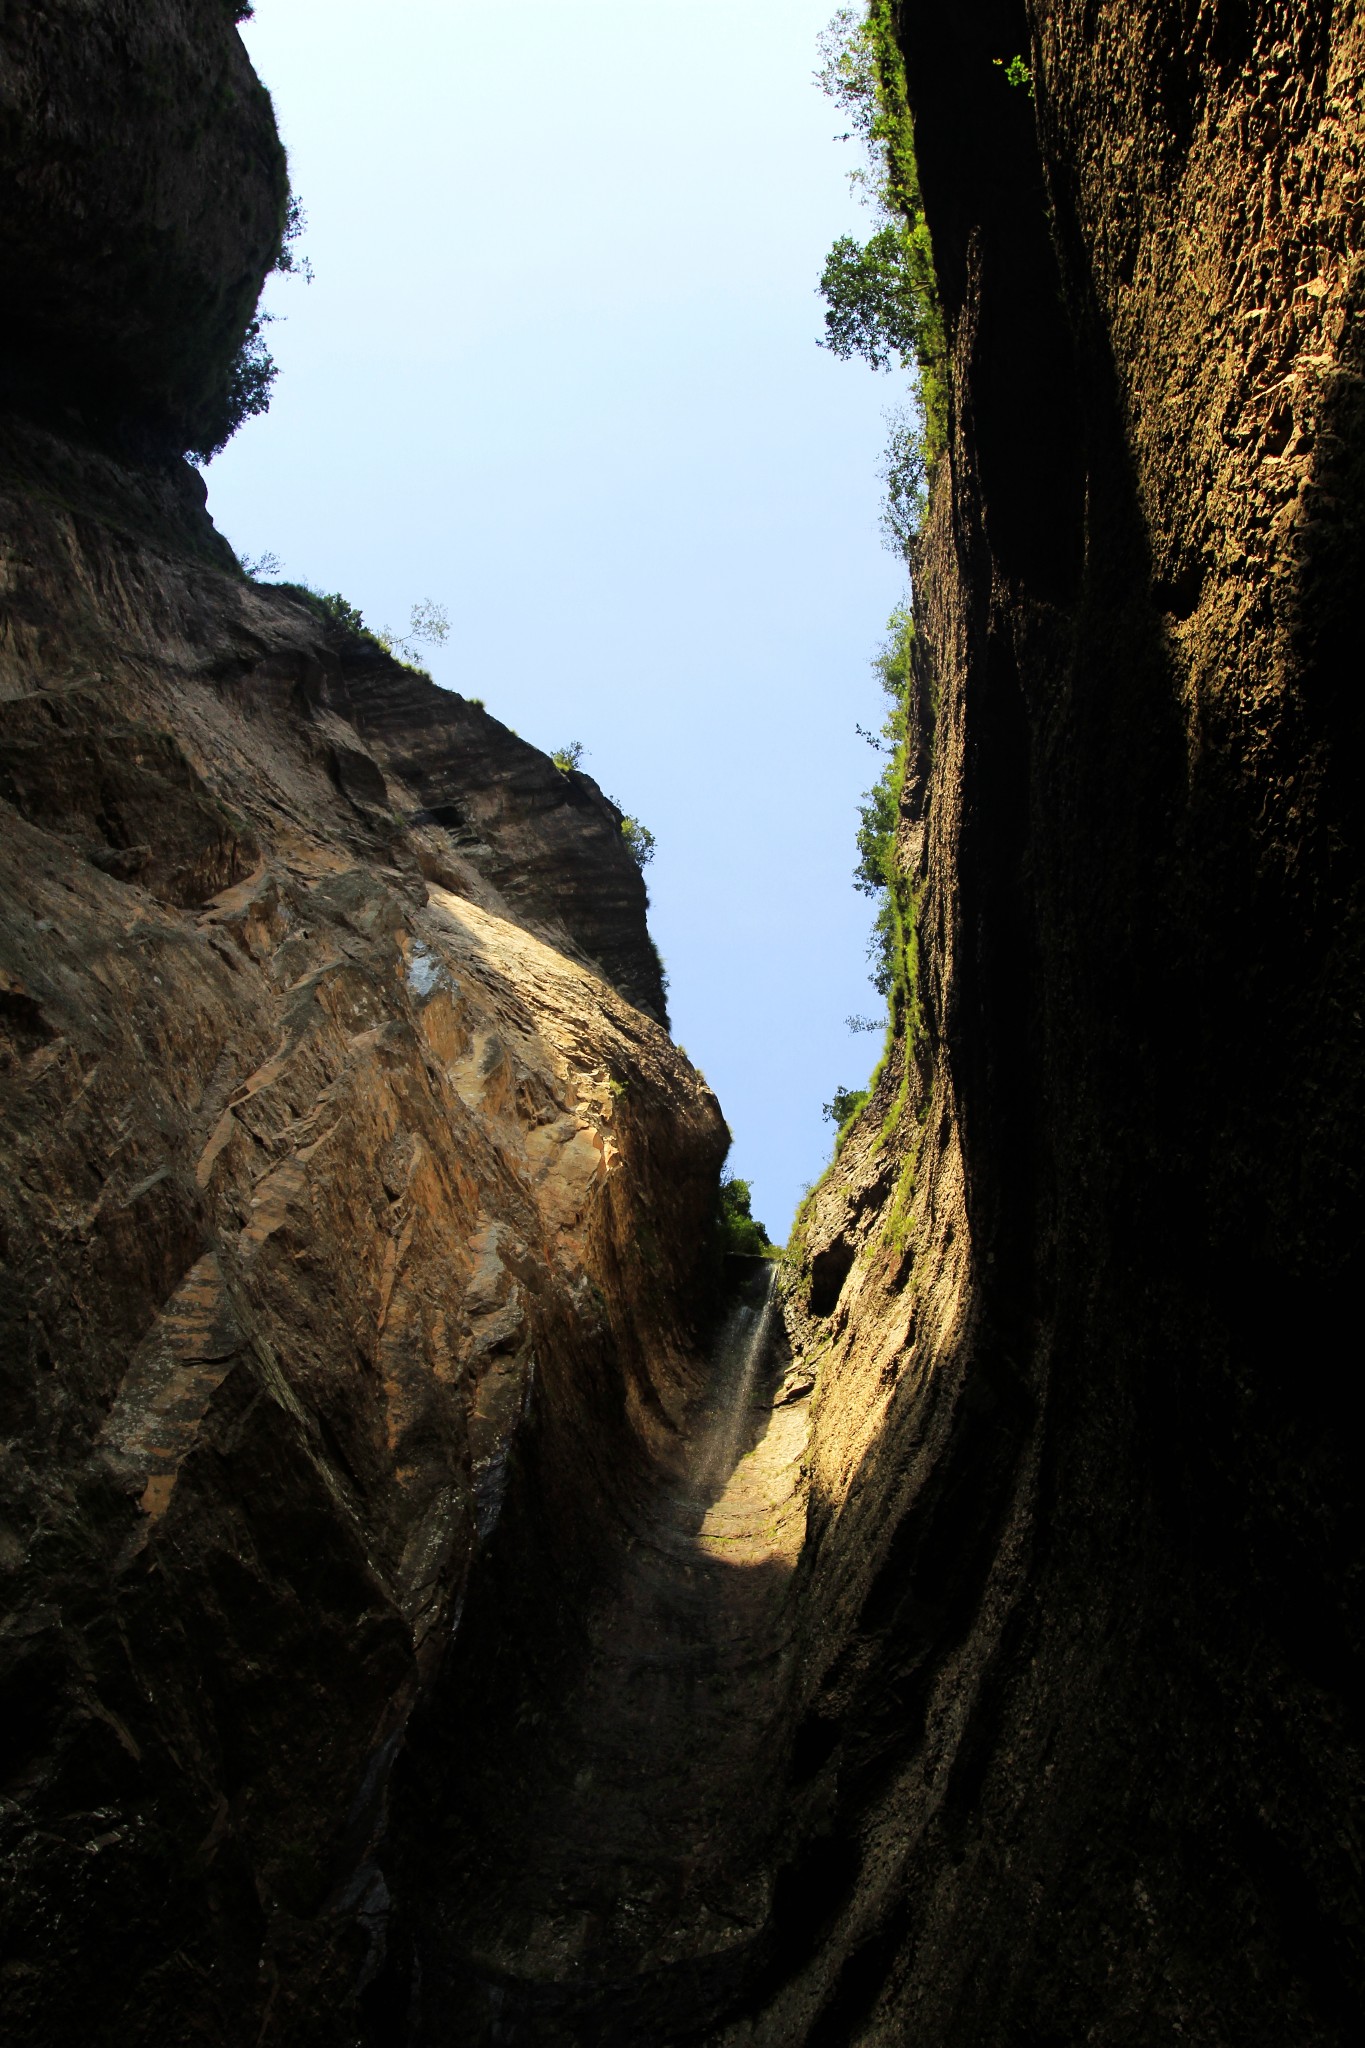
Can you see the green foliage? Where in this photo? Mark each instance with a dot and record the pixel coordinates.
(333, 607)
(247, 391)
(1016, 72)
(244, 394)
(740, 1231)
(288, 258)
(894, 945)
(639, 841)
(881, 296)
(845, 1106)
(905, 470)
(896, 1228)
(427, 622)
(876, 874)
(566, 759)
(871, 309)
(260, 568)
(894, 659)
(877, 831)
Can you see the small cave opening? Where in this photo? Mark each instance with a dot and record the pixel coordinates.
(828, 1271)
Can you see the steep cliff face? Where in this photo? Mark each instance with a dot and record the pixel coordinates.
(1075, 1761)
(352, 1186)
(331, 1194)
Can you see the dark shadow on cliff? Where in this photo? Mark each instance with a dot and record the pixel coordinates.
(1126, 1572)
(582, 1825)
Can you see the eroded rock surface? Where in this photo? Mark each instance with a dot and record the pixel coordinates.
(352, 1188)
(337, 1185)
(1081, 1648)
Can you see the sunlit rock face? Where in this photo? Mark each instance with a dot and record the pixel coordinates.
(354, 1199)
(348, 1188)
(1074, 1764)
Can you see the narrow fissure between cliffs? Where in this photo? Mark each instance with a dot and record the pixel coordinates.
(603, 1862)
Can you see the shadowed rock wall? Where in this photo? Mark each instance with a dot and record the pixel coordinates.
(1083, 1647)
(145, 189)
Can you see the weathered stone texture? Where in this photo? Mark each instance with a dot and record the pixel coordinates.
(145, 189)
(1082, 1645)
(354, 1202)
(333, 1197)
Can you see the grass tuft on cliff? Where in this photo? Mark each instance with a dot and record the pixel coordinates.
(427, 623)
(893, 947)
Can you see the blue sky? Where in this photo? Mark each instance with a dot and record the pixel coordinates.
(558, 371)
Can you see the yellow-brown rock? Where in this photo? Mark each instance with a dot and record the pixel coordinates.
(336, 1201)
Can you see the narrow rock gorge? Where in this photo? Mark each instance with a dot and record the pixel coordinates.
(441, 1605)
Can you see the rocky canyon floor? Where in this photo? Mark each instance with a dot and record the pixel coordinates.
(608, 1875)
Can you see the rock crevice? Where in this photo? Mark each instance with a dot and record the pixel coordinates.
(406, 1630)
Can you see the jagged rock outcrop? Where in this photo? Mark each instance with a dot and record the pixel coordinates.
(547, 840)
(1076, 1760)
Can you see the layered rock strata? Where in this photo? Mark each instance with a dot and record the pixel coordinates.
(352, 1188)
